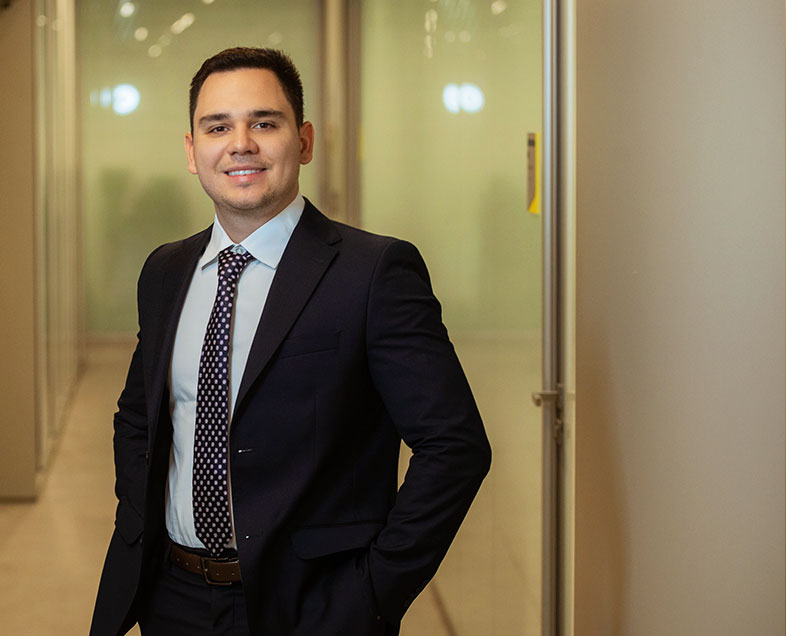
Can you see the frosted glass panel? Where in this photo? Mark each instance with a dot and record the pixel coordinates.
(450, 89)
(137, 193)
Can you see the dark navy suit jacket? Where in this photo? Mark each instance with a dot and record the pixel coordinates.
(350, 356)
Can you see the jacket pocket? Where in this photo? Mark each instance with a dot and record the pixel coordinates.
(318, 541)
(316, 343)
(128, 523)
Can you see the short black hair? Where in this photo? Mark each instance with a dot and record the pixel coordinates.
(246, 57)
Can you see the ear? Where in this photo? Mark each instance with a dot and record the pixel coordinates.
(190, 153)
(306, 142)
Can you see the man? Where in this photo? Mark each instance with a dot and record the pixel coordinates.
(281, 358)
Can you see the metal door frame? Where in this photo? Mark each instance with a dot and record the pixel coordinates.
(558, 277)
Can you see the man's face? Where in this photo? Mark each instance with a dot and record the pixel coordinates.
(246, 147)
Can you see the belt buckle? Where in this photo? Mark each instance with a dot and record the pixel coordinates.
(204, 561)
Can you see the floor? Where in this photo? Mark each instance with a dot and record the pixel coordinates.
(489, 584)
(51, 551)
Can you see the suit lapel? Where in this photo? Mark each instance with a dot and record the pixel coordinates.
(178, 271)
(310, 250)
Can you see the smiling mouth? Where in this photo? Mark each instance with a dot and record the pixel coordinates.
(241, 173)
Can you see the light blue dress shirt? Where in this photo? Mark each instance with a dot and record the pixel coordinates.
(266, 245)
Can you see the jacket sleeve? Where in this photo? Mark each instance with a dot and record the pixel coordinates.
(420, 380)
(131, 426)
(130, 437)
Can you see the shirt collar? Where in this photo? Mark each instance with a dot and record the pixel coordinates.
(266, 244)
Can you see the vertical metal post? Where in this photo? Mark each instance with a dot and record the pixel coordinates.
(340, 104)
(551, 319)
(566, 184)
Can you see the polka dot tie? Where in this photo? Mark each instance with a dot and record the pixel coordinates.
(210, 493)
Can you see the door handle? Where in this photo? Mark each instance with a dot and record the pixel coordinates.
(539, 397)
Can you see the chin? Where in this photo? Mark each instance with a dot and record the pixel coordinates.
(255, 208)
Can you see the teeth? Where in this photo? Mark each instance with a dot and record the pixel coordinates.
(234, 173)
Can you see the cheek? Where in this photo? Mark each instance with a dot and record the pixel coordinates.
(210, 158)
(293, 156)
(207, 156)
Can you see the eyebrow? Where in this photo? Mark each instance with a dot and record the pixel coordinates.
(254, 114)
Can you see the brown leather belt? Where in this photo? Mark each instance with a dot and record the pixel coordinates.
(215, 571)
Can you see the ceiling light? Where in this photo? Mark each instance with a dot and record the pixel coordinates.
(498, 6)
(467, 97)
(127, 9)
(182, 23)
(125, 99)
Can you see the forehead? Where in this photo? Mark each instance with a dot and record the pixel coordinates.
(241, 90)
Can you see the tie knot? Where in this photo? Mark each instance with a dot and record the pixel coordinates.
(231, 263)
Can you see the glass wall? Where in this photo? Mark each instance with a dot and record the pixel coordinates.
(136, 63)
(450, 90)
(58, 299)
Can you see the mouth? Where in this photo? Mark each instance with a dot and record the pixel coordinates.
(243, 172)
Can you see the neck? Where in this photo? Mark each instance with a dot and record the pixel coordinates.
(238, 224)
(238, 227)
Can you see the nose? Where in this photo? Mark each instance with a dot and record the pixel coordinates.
(242, 142)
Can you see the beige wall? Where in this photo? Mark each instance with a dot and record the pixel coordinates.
(17, 334)
(679, 484)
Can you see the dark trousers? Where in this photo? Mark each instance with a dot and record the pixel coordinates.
(184, 604)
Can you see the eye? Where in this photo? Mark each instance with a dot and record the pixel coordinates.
(217, 129)
(263, 125)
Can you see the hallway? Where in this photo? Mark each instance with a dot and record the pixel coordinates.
(51, 551)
